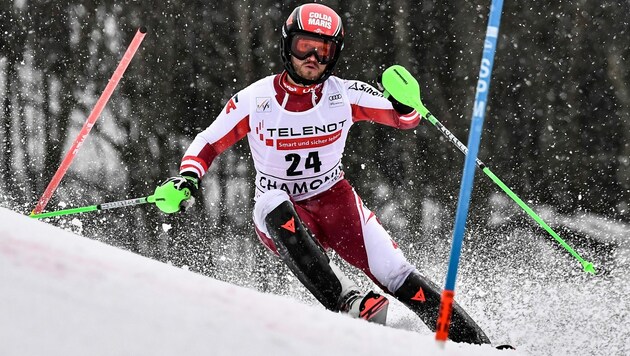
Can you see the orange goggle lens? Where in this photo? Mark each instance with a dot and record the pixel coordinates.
(303, 46)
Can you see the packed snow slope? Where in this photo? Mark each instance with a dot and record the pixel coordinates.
(62, 294)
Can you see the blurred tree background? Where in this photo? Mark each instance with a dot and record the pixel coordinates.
(557, 129)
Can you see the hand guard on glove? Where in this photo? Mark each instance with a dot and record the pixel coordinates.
(176, 193)
(398, 106)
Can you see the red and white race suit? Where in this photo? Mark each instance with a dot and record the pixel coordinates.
(297, 138)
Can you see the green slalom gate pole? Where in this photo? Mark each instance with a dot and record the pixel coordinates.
(99, 207)
(401, 85)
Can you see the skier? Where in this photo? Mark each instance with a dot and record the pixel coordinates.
(297, 123)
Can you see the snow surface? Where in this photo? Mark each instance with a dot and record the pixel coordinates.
(62, 294)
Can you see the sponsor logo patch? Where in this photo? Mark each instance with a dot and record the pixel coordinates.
(290, 225)
(365, 88)
(335, 100)
(263, 104)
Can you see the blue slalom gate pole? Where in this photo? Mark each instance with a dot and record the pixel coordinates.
(474, 139)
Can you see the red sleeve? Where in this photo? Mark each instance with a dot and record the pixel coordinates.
(229, 127)
(389, 117)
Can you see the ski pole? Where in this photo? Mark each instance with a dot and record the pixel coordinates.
(588, 266)
(98, 207)
(91, 120)
(410, 97)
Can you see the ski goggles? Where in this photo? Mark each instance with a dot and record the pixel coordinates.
(303, 46)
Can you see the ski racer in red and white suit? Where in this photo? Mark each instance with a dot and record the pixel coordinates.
(297, 124)
(297, 138)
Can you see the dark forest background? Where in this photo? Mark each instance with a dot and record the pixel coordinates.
(557, 129)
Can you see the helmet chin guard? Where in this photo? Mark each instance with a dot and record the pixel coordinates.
(315, 20)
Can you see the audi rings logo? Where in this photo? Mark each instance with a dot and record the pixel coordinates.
(335, 100)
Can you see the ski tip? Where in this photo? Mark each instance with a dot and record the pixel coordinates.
(505, 347)
(142, 29)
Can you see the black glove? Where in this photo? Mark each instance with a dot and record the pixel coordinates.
(192, 182)
(400, 108)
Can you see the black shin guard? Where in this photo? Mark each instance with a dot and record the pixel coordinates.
(423, 297)
(304, 256)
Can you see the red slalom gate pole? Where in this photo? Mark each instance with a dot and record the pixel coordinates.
(444, 315)
(91, 120)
